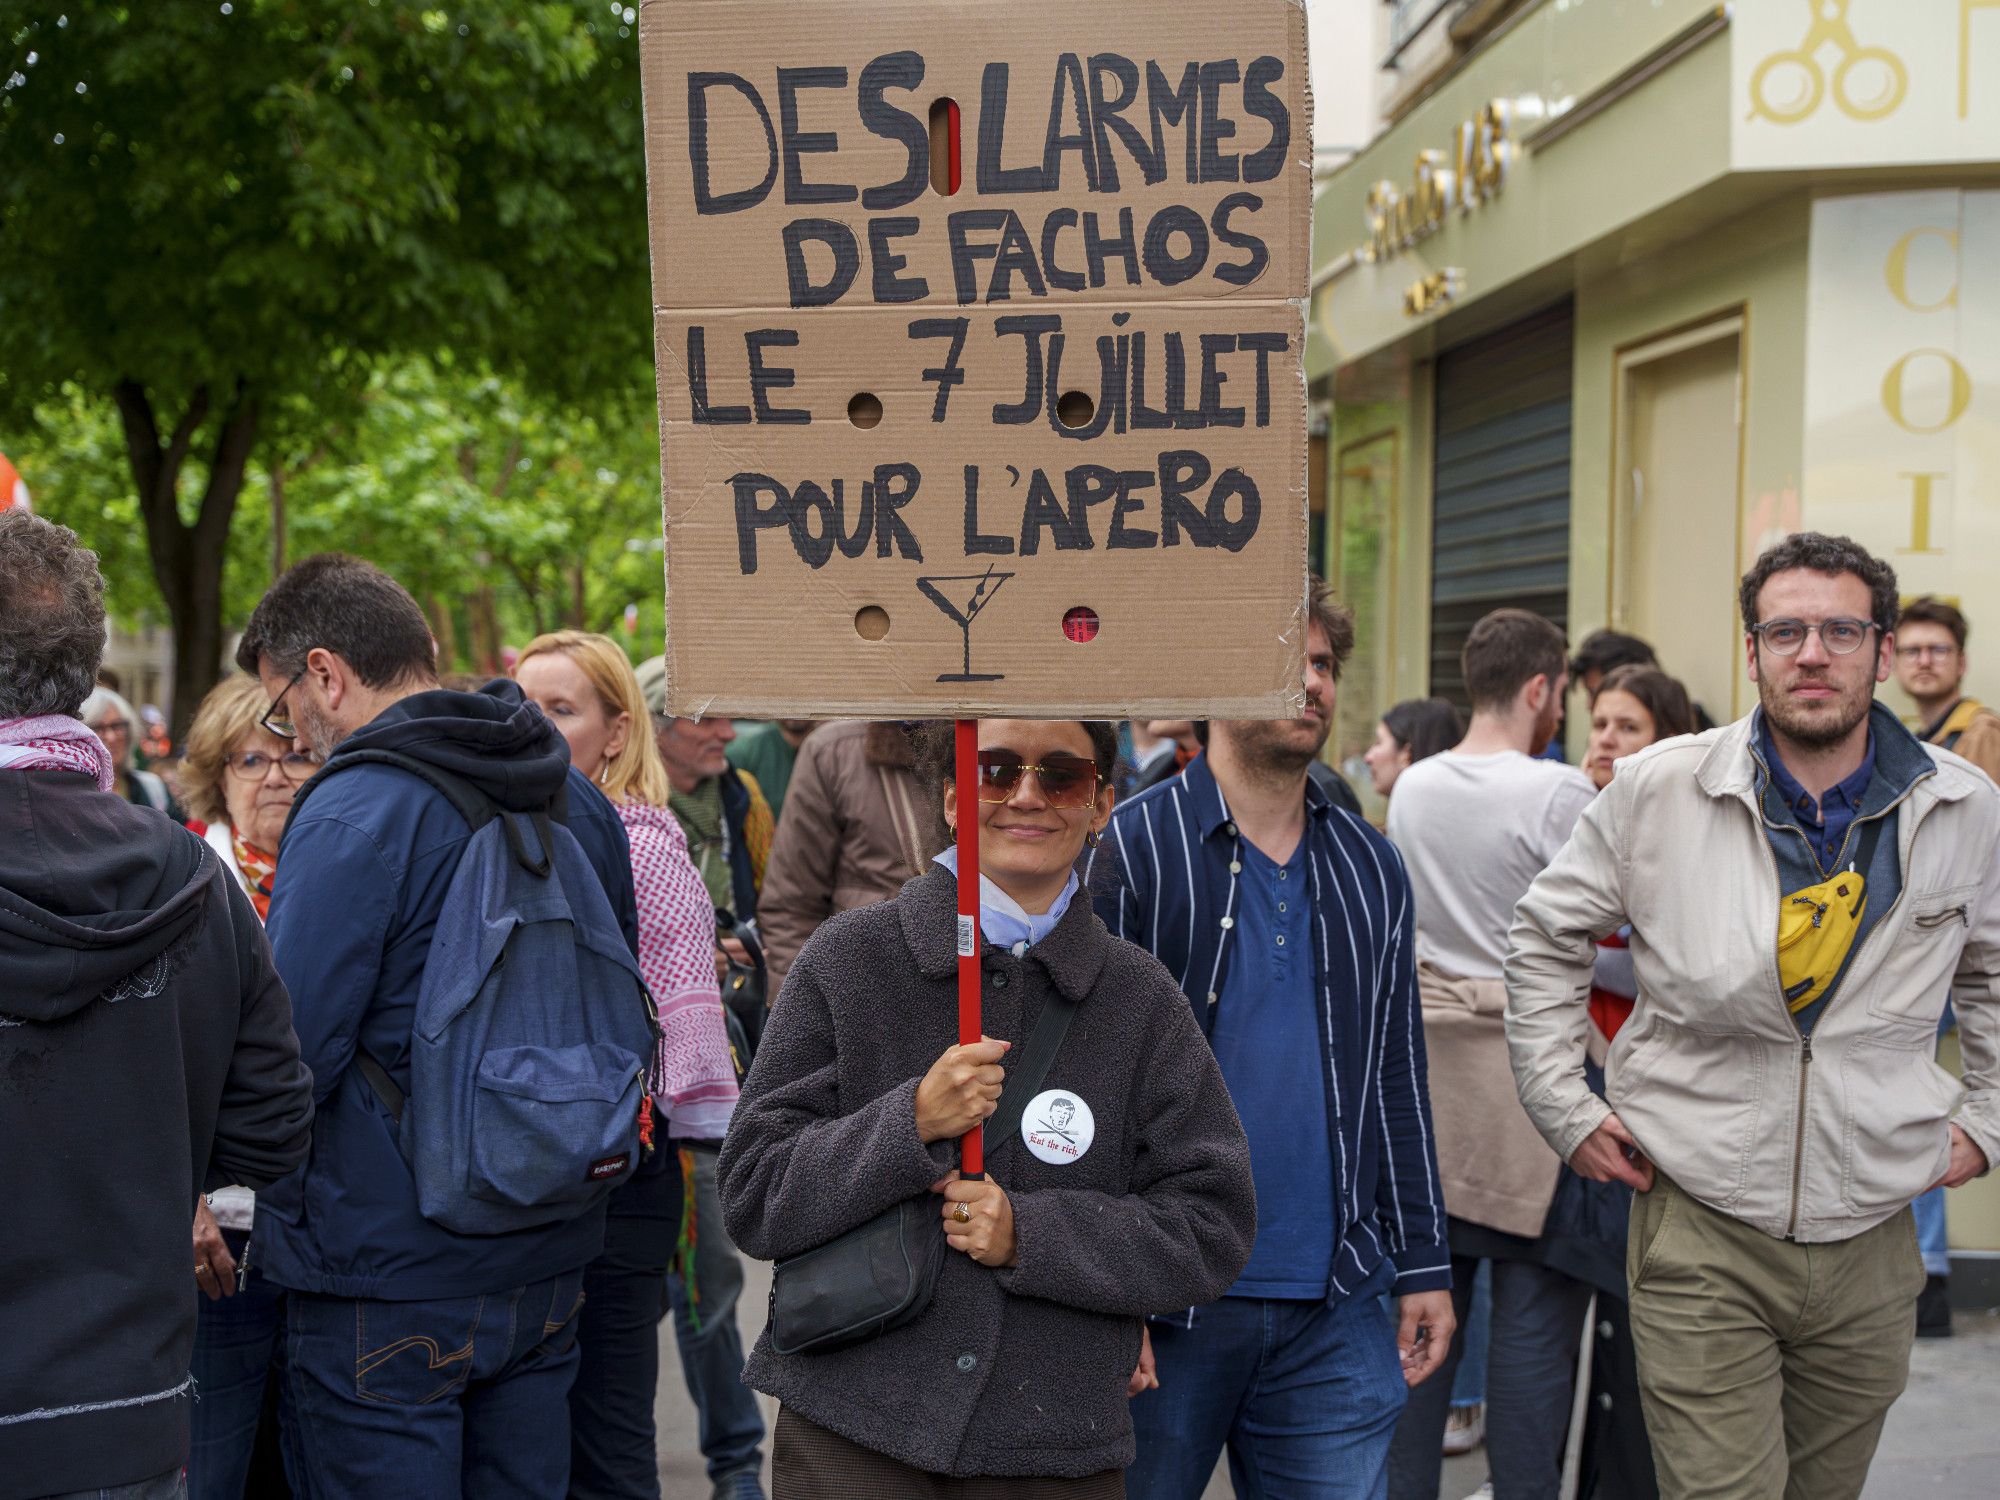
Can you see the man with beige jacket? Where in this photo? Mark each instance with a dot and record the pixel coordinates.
(1804, 887)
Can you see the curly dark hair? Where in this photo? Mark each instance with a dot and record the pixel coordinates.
(51, 617)
(1831, 555)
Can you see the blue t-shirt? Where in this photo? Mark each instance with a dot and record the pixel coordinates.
(1268, 1042)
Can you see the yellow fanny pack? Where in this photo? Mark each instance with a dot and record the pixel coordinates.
(1817, 926)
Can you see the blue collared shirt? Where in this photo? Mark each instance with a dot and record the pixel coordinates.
(1825, 822)
(1167, 876)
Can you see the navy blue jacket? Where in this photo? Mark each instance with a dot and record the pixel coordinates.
(362, 874)
(1165, 876)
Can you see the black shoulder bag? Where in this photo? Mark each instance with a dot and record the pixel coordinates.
(883, 1274)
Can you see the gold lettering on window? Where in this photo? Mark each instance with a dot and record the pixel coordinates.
(1921, 483)
(1897, 268)
(1958, 398)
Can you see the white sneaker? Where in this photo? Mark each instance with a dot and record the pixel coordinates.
(1484, 1492)
(1464, 1429)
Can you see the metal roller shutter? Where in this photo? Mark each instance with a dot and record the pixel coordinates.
(1500, 491)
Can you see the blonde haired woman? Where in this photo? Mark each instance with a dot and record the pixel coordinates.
(586, 686)
(238, 780)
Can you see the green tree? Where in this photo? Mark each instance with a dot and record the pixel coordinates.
(222, 219)
(552, 512)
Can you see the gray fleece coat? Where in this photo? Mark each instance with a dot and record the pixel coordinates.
(1019, 1371)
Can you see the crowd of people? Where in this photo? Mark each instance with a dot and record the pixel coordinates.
(467, 1034)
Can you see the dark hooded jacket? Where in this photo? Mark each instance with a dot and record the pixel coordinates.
(362, 873)
(146, 1055)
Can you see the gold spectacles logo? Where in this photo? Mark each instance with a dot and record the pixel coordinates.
(1789, 86)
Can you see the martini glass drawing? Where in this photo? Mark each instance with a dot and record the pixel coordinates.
(983, 587)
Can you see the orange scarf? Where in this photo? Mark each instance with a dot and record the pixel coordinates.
(259, 870)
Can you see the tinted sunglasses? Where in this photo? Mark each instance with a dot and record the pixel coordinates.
(1065, 780)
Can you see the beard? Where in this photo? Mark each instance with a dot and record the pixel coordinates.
(1827, 723)
(320, 733)
(1282, 747)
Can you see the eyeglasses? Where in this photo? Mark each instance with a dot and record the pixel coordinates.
(1926, 653)
(255, 765)
(1065, 780)
(112, 726)
(1842, 637)
(275, 720)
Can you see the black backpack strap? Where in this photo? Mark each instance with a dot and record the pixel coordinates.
(1864, 852)
(466, 799)
(1051, 1026)
(393, 1099)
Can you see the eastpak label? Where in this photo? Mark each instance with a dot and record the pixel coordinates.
(609, 1166)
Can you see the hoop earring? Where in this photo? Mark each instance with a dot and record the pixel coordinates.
(1091, 839)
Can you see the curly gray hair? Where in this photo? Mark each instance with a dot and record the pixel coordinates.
(51, 617)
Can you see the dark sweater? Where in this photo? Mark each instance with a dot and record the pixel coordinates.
(1011, 1372)
(146, 1054)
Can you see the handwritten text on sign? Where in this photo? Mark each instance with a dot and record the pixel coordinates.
(890, 408)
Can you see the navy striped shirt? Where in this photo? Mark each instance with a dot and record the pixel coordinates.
(1165, 877)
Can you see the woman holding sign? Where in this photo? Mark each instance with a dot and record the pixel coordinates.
(937, 1336)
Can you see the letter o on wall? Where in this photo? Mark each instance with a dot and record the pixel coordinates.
(1958, 398)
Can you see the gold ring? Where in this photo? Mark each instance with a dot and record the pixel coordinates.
(961, 1213)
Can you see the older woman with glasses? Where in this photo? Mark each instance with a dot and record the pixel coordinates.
(239, 780)
(113, 720)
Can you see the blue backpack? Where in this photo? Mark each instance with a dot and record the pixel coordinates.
(533, 1029)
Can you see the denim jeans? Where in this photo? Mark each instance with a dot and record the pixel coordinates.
(1530, 1374)
(1304, 1395)
(235, 1350)
(613, 1446)
(459, 1395)
(711, 1347)
(1468, 1387)
(171, 1485)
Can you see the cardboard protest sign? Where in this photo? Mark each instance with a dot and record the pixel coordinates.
(980, 327)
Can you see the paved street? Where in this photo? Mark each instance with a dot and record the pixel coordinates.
(1941, 1442)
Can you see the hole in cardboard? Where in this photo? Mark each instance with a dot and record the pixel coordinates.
(944, 147)
(871, 622)
(1080, 624)
(865, 410)
(1074, 409)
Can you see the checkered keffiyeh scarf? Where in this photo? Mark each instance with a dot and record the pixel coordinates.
(54, 742)
(692, 1074)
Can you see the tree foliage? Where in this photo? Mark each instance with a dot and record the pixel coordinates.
(226, 221)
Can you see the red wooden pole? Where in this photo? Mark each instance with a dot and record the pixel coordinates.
(972, 1145)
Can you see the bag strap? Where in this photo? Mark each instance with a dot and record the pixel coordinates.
(1051, 1026)
(1956, 723)
(466, 800)
(377, 1077)
(470, 804)
(1864, 852)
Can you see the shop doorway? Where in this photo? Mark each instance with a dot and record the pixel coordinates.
(1677, 511)
(1500, 490)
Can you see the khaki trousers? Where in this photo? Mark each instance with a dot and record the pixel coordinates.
(1766, 1367)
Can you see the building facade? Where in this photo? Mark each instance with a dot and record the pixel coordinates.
(1630, 288)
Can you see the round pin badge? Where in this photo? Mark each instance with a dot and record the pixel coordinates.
(1057, 1126)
